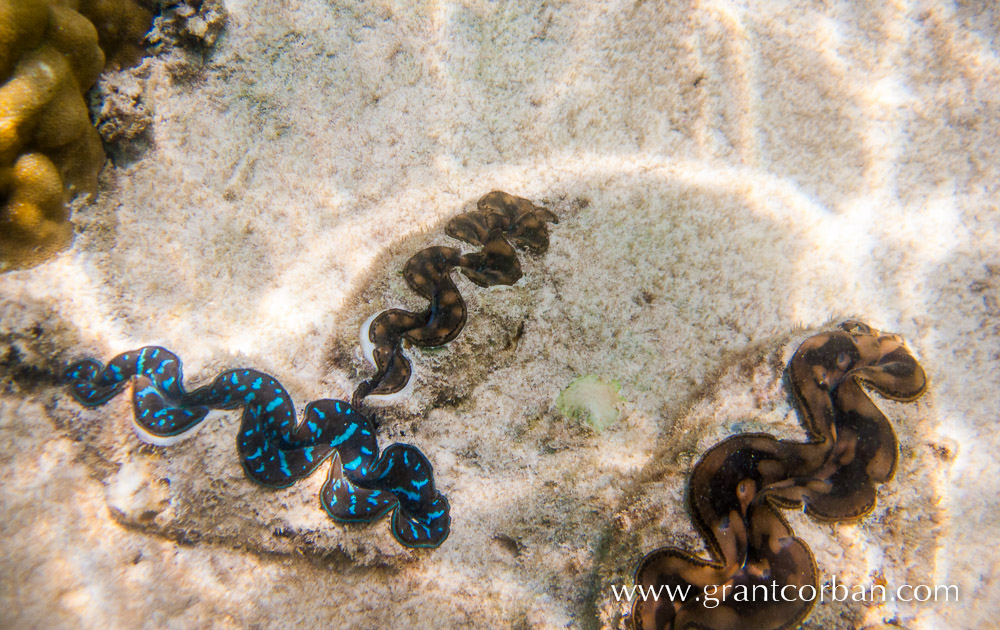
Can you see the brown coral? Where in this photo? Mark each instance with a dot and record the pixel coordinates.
(121, 26)
(50, 55)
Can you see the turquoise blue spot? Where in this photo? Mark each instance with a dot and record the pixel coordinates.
(412, 496)
(354, 463)
(346, 435)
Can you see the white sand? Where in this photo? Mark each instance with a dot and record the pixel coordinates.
(724, 175)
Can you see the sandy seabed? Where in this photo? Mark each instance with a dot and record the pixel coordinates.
(729, 176)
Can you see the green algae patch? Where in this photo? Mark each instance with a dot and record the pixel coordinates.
(591, 400)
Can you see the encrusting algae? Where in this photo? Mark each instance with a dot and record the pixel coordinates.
(51, 53)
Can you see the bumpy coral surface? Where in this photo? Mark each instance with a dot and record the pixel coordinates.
(121, 26)
(51, 52)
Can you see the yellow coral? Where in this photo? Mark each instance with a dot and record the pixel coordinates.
(49, 57)
(121, 25)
